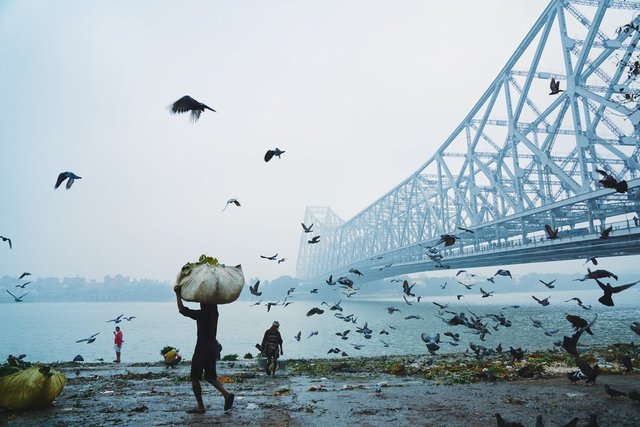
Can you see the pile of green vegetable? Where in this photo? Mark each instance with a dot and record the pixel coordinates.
(25, 386)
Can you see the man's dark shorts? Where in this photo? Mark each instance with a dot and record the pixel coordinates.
(203, 361)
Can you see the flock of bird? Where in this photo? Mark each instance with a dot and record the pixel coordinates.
(477, 325)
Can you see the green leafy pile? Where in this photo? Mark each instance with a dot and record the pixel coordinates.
(204, 259)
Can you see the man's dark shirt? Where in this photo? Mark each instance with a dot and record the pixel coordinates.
(206, 330)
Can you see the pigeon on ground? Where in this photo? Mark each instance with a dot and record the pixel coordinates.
(612, 392)
(504, 423)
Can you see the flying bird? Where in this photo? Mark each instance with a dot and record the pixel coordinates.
(465, 229)
(330, 281)
(597, 274)
(579, 301)
(187, 103)
(314, 310)
(355, 271)
(407, 289)
(22, 285)
(129, 318)
(465, 285)
(550, 284)
(306, 229)
(610, 290)
(502, 272)
(254, 289)
(609, 181)
(604, 234)
(343, 335)
(447, 239)
(543, 302)
(345, 281)
(592, 259)
(89, 340)
(552, 233)
(270, 153)
(272, 258)
(554, 85)
(66, 175)
(590, 372)
(442, 306)
(385, 266)
(230, 201)
(297, 336)
(635, 327)
(312, 333)
(392, 309)
(580, 325)
(314, 239)
(15, 298)
(8, 240)
(485, 294)
(26, 273)
(281, 260)
(431, 342)
(116, 320)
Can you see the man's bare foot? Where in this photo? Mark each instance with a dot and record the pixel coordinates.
(228, 402)
(196, 410)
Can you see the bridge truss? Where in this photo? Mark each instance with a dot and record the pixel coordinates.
(521, 158)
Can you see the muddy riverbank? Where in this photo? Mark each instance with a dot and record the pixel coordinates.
(403, 390)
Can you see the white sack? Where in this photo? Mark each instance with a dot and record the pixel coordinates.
(209, 282)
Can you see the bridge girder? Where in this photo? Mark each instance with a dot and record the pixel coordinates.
(519, 150)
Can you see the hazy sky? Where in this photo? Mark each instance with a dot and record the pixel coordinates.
(358, 93)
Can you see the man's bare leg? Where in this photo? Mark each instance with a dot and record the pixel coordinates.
(228, 397)
(197, 392)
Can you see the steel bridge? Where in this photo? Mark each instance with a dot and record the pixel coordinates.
(521, 159)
